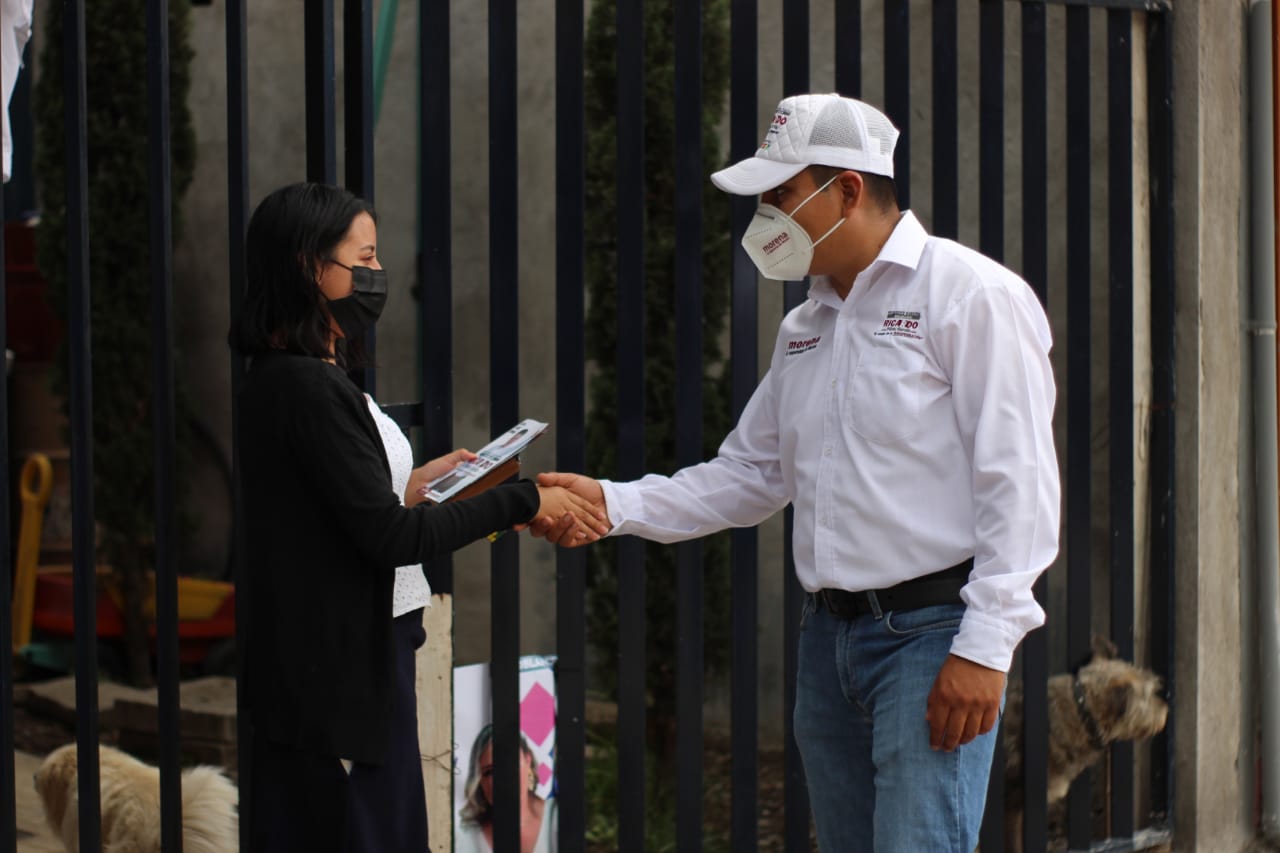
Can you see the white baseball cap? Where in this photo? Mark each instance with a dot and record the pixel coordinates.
(814, 130)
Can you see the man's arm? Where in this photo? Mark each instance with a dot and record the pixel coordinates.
(740, 487)
(995, 346)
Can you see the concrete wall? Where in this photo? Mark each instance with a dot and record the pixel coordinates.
(1212, 808)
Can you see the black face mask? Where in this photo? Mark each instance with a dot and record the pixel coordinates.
(362, 307)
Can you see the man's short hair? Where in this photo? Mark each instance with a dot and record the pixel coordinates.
(881, 189)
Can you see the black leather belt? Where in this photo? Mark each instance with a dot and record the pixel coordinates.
(938, 588)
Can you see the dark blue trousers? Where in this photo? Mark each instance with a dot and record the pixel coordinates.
(303, 801)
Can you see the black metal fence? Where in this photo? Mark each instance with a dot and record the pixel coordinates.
(435, 413)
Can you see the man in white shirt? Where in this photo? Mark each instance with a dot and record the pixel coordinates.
(907, 417)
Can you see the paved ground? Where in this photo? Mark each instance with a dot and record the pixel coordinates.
(34, 835)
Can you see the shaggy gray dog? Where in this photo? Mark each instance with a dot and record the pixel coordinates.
(1108, 700)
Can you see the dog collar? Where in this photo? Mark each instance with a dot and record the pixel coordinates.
(1090, 724)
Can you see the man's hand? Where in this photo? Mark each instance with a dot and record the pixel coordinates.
(964, 702)
(562, 531)
(416, 491)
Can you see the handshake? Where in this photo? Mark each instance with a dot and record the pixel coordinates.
(571, 507)
(571, 510)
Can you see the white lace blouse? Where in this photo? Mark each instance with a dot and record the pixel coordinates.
(411, 588)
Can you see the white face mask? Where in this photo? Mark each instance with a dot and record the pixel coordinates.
(778, 246)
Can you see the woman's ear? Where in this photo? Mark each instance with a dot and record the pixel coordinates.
(317, 265)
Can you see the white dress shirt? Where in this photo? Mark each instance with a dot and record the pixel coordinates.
(411, 589)
(910, 425)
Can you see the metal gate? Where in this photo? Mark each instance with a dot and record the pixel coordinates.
(1011, 36)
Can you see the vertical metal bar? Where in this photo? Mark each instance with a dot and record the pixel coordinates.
(8, 791)
(688, 323)
(505, 676)
(84, 557)
(631, 407)
(796, 790)
(991, 242)
(795, 47)
(744, 549)
(1035, 648)
(357, 64)
(897, 90)
(1120, 246)
(991, 129)
(322, 162)
(237, 218)
(946, 192)
(435, 256)
(1163, 393)
(1079, 390)
(795, 80)
(571, 406)
(849, 48)
(160, 209)
(504, 407)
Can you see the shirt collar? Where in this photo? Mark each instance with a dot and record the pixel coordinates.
(905, 245)
(821, 291)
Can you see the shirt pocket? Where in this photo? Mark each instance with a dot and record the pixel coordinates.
(885, 394)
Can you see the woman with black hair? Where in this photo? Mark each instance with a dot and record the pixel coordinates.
(334, 542)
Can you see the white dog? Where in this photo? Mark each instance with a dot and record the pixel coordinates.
(130, 792)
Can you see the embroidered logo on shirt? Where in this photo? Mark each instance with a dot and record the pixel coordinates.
(804, 345)
(901, 324)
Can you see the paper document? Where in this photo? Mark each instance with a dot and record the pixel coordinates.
(494, 462)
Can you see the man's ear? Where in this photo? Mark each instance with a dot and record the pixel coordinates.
(852, 190)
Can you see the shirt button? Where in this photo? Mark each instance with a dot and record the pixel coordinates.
(826, 451)
(833, 383)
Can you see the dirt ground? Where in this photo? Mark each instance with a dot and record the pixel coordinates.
(717, 806)
(38, 735)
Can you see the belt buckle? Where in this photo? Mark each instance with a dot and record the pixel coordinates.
(841, 603)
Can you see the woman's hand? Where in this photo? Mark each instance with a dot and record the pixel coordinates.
(583, 520)
(563, 530)
(416, 491)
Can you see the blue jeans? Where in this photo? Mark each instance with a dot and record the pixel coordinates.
(861, 694)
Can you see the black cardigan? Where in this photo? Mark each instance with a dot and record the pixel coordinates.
(324, 533)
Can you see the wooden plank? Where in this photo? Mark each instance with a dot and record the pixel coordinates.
(435, 719)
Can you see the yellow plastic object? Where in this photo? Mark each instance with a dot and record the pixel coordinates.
(35, 484)
(198, 599)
